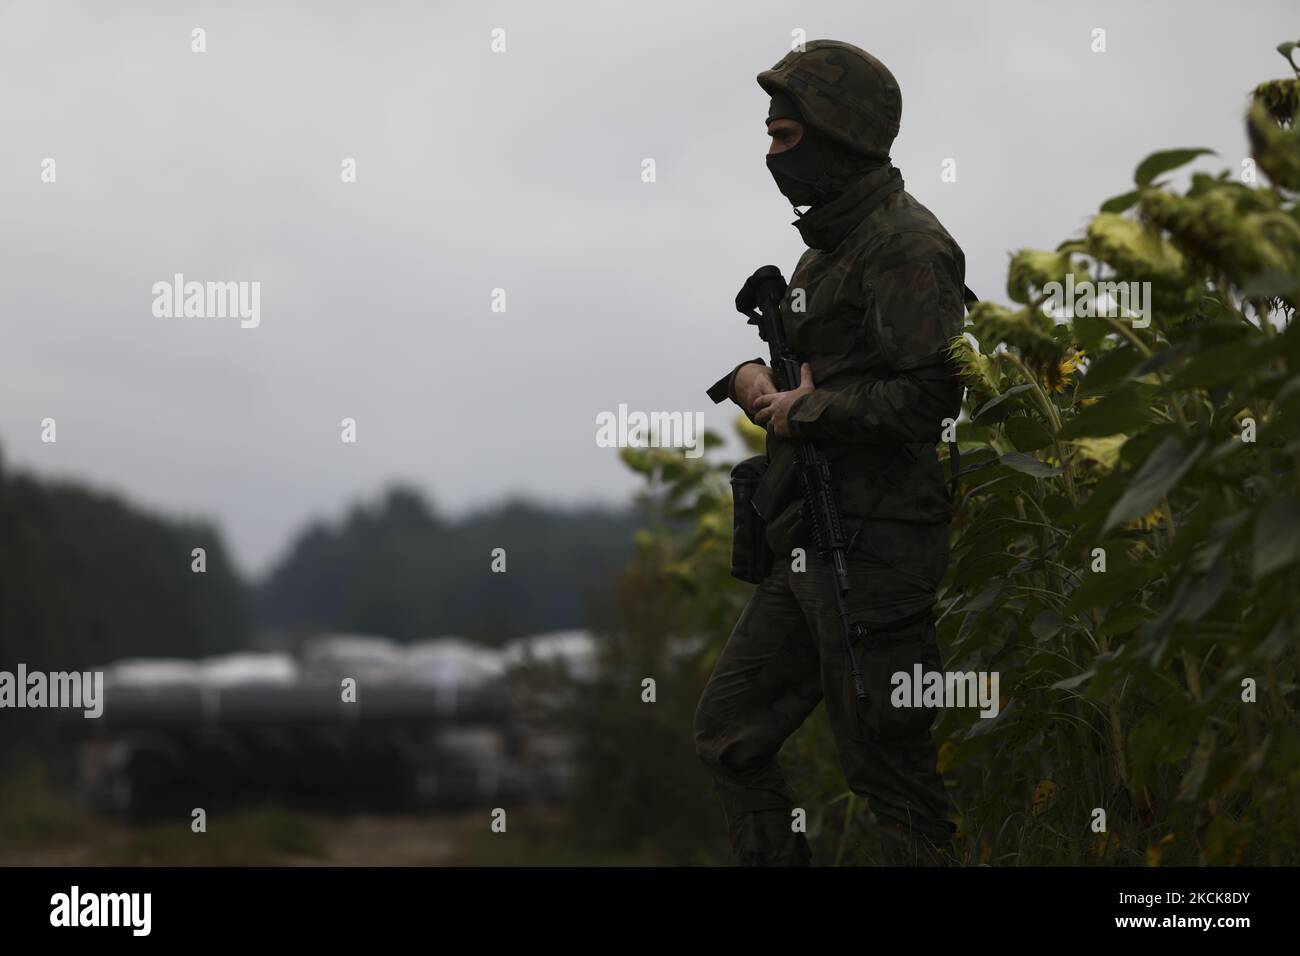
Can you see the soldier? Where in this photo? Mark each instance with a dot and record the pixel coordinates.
(871, 306)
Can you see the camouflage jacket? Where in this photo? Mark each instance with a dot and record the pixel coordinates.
(883, 293)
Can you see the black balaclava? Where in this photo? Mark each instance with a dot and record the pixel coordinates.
(818, 168)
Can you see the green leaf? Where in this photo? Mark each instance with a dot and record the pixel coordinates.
(1086, 518)
(968, 433)
(1165, 160)
(1277, 536)
(1055, 506)
(1108, 370)
(1027, 434)
(1104, 588)
(1159, 473)
(1121, 202)
(985, 598)
(1270, 285)
(1206, 592)
(1089, 332)
(1140, 446)
(1123, 619)
(1215, 366)
(1029, 465)
(982, 414)
(1158, 360)
(1070, 683)
(1121, 412)
(977, 570)
(638, 460)
(1224, 534)
(1046, 625)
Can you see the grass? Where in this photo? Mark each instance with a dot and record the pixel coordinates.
(262, 837)
(33, 814)
(40, 825)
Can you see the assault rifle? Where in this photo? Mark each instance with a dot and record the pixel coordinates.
(760, 301)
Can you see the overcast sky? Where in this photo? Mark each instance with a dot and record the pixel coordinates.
(479, 170)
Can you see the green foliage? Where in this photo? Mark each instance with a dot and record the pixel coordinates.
(641, 788)
(1161, 447)
(1166, 453)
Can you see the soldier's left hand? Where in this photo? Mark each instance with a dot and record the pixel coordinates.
(772, 411)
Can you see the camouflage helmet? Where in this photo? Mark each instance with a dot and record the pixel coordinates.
(843, 91)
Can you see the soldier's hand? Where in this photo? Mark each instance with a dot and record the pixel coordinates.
(752, 382)
(772, 410)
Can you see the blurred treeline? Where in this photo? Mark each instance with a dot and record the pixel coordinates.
(398, 569)
(87, 578)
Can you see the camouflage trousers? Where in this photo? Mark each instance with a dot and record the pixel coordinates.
(787, 653)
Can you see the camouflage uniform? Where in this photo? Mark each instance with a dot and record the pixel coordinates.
(883, 285)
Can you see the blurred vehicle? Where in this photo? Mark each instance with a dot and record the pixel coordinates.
(574, 651)
(328, 658)
(443, 722)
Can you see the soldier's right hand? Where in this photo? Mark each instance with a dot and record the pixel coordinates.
(752, 382)
(764, 279)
